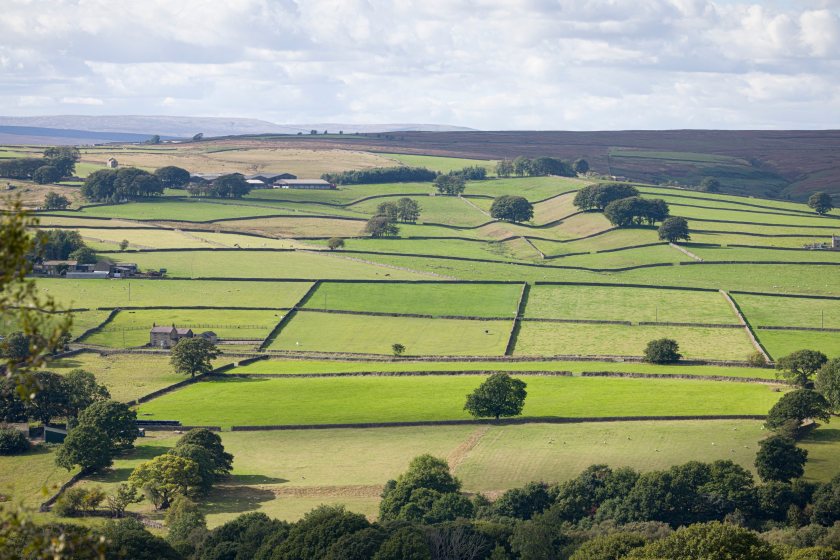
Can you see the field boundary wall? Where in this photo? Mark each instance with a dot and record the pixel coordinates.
(747, 327)
(272, 335)
(693, 377)
(501, 422)
(517, 320)
(98, 328)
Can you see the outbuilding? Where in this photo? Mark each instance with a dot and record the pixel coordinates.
(317, 184)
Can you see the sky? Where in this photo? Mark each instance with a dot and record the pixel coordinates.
(486, 64)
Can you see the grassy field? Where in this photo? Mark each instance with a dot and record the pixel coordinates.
(284, 474)
(173, 293)
(131, 327)
(624, 258)
(789, 312)
(507, 250)
(29, 479)
(628, 304)
(442, 164)
(127, 376)
(255, 264)
(389, 399)
(782, 343)
(326, 332)
(749, 254)
(449, 210)
(468, 300)
(554, 209)
(299, 366)
(297, 227)
(554, 339)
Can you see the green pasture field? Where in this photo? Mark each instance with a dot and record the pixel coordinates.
(131, 327)
(613, 239)
(184, 210)
(449, 210)
(554, 209)
(32, 477)
(109, 239)
(232, 240)
(775, 278)
(300, 366)
(344, 194)
(789, 312)
(82, 320)
(749, 254)
(782, 343)
(291, 208)
(701, 198)
(532, 188)
(172, 293)
(466, 300)
(679, 200)
(726, 238)
(328, 332)
(818, 233)
(296, 227)
(554, 339)
(506, 250)
(628, 304)
(244, 402)
(691, 212)
(256, 264)
(47, 220)
(127, 376)
(627, 257)
(442, 164)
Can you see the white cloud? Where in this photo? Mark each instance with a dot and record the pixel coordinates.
(550, 64)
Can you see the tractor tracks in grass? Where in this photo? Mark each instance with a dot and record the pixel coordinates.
(460, 453)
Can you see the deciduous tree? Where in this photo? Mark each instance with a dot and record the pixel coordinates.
(335, 243)
(450, 185)
(800, 366)
(193, 356)
(662, 351)
(827, 382)
(779, 459)
(512, 209)
(46, 174)
(499, 395)
(55, 201)
(674, 229)
(821, 202)
(381, 226)
(166, 476)
(87, 447)
(795, 407)
(173, 177)
(408, 210)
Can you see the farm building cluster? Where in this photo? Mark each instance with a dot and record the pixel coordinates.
(73, 269)
(167, 337)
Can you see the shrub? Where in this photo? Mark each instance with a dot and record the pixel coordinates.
(335, 243)
(79, 501)
(662, 351)
(12, 441)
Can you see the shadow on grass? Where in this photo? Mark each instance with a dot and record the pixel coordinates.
(247, 479)
(236, 499)
(822, 436)
(65, 363)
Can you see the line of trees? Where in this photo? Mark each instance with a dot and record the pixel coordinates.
(119, 185)
(598, 196)
(58, 163)
(399, 174)
(535, 167)
(232, 185)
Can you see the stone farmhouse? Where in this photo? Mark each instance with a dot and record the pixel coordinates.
(167, 337)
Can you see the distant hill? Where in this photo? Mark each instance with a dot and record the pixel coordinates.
(776, 164)
(186, 127)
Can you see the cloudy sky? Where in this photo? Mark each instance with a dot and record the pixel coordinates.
(489, 64)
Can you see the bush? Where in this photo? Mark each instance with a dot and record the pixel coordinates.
(662, 351)
(12, 441)
(757, 359)
(79, 501)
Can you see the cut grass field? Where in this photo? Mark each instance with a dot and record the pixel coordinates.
(32, 477)
(256, 402)
(508, 250)
(628, 304)
(555, 339)
(284, 474)
(327, 332)
(173, 293)
(789, 312)
(750, 254)
(186, 210)
(127, 376)
(449, 210)
(297, 227)
(442, 164)
(782, 343)
(466, 300)
(131, 327)
(300, 366)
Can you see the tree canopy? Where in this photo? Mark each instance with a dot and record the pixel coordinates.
(598, 197)
(636, 211)
(450, 185)
(674, 229)
(821, 202)
(499, 395)
(193, 356)
(512, 209)
(795, 407)
(800, 366)
(827, 382)
(662, 351)
(779, 459)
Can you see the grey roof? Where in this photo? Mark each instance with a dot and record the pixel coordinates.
(304, 182)
(166, 330)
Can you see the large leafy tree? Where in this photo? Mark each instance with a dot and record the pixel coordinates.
(193, 356)
(117, 420)
(662, 351)
(420, 492)
(450, 185)
(499, 395)
(408, 210)
(166, 476)
(711, 540)
(63, 158)
(381, 226)
(800, 366)
(87, 447)
(172, 177)
(821, 202)
(512, 209)
(779, 459)
(674, 229)
(55, 201)
(83, 391)
(794, 408)
(204, 438)
(827, 383)
(232, 185)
